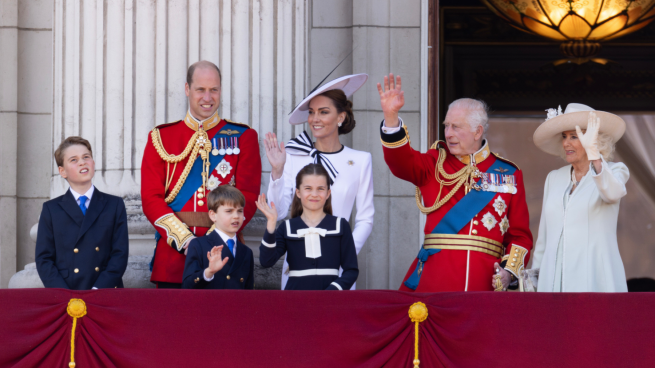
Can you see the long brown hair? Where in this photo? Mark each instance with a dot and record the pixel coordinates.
(311, 169)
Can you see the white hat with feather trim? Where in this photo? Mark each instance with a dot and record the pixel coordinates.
(349, 84)
(548, 136)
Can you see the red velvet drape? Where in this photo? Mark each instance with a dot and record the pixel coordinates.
(188, 328)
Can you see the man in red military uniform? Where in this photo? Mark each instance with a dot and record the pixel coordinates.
(185, 160)
(477, 234)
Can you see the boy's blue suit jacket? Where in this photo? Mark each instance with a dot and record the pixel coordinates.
(237, 274)
(77, 251)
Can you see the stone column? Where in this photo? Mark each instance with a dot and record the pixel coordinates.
(388, 33)
(8, 137)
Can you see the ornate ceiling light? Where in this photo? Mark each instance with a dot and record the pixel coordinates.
(581, 24)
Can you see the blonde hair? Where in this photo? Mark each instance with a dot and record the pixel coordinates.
(606, 146)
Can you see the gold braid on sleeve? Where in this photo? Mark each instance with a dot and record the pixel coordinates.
(199, 143)
(466, 176)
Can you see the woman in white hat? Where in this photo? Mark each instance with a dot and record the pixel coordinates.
(328, 113)
(576, 249)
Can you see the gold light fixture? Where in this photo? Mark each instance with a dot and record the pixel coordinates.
(581, 24)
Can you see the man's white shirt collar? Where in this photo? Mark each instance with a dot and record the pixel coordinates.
(88, 194)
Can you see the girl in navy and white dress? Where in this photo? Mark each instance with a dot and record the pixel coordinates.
(317, 244)
(328, 114)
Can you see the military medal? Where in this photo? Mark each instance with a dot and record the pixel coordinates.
(222, 150)
(236, 149)
(229, 146)
(215, 150)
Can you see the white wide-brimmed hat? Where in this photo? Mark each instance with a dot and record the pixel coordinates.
(349, 84)
(548, 136)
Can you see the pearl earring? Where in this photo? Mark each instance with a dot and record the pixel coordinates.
(340, 123)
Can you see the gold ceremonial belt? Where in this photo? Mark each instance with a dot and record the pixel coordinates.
(463, 242)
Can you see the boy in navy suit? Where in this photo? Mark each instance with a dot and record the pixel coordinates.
(82, 241)
(218, 260)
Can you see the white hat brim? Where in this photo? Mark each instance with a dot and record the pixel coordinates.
(349, 84)
(548, 136)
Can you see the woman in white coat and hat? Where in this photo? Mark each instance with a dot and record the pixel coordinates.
(328, 113)
(577, 249)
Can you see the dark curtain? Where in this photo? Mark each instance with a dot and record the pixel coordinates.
(196, 328)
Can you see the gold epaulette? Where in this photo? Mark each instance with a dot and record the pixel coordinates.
(177, 232)
(399, 143)
(235, 123)
(506, 160)
(516, 260)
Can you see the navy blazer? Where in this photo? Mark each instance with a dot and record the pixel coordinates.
(77, 251)
(236, 274)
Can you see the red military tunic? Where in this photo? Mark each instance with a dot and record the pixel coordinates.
(245, 174)
(505, 216)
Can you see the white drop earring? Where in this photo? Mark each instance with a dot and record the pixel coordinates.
(340, 123)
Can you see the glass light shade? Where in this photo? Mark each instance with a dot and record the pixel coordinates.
(576, 20)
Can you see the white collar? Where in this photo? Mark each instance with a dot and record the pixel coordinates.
(225, 237)
(200, 122)
(88, 194)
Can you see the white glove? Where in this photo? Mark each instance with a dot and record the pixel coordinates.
(589, 140)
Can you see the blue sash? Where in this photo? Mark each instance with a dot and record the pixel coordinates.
(194, 179)
(457, 217)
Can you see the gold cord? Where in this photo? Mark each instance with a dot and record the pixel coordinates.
(418, 313)
(199, 143)
(76, 309)
(465, 176)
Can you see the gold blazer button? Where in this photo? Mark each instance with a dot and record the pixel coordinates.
(97, 269)
(76, 270)
(97, 249)
(228, 277)
(76, 250)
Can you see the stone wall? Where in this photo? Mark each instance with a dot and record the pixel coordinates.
(112, 70)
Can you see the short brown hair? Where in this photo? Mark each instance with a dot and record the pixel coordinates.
(201, 63)
(225, 194)
(70, 141)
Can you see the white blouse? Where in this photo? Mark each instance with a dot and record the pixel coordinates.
(354, 184)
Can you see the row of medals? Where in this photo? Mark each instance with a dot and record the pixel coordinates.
(490, 183)
(232, 149)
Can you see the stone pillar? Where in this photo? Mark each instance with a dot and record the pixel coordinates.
(388, 33)
(8, 137)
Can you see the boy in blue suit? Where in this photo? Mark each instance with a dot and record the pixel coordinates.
(82, 241)
(219, 260)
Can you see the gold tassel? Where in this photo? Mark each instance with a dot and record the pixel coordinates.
(418, 313)
(76, 309)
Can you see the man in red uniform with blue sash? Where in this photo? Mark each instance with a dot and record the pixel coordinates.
(185, 160)
(477, 234)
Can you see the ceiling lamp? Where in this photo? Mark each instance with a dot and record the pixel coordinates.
(581, 24)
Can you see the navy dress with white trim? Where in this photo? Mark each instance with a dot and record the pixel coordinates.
(314, 254)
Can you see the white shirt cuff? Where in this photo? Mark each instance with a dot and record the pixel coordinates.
(386, 130)
(204, 276)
